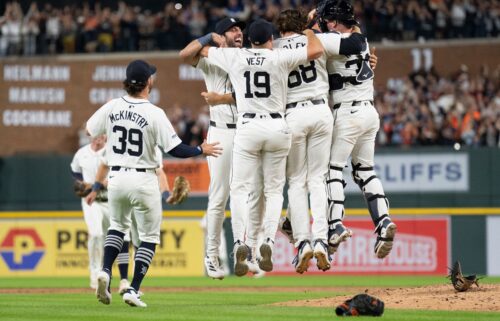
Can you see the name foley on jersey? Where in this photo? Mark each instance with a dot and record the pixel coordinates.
(129, 115)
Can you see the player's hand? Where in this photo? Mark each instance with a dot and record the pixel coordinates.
(211, 98)
(211, 149)
(219, 40)
(89, 199)
(373, 58)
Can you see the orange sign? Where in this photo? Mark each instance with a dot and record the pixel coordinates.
(196, 171)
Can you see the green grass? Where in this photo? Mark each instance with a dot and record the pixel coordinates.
(210, 306)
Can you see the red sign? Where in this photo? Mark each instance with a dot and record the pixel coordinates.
(421, 246)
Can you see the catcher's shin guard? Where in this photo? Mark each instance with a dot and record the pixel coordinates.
(337, 233)
(373, 192)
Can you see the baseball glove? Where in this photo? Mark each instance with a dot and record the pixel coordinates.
(81, 188)
(361, 304)
(460, 282)
(180, 191)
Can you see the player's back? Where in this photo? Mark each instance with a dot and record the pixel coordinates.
(309, 80)
(259, 76)
(132, 132)
(351, 77)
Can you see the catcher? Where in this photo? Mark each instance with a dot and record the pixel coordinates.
(460, 282)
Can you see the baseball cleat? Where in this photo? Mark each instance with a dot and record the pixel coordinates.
(321, 255)
(336, 236)
(214, 270)
(102, 292)
(386, 231)
(240, 251)
(304, 255)
(132, 298)
(285, 227)
(124, 285)
(266, 255)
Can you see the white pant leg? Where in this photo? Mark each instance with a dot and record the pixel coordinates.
(274, 154)
(256, 208)
(246, 164)
(319, 141)
(296, 173)
(93, 216)
(140, 192)
(218, 192)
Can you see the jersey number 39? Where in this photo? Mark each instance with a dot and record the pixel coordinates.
(131, 138)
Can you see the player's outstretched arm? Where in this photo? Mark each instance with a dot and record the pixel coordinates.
(314, 47)
(186, 151)
(214, 99)
(193, 51)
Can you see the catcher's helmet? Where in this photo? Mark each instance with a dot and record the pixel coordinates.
(340, 10)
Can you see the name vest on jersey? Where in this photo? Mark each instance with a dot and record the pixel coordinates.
(129, 115)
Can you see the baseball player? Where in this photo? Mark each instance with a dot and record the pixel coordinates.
(228, 32)
(262, 139)
(356, 123)
(84, 167)
(134, 128)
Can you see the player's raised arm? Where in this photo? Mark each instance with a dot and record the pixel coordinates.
(192, 52)
(314, 47)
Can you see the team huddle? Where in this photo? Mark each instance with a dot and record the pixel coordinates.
(289, 110)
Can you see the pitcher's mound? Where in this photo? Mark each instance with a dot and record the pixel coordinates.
(433, 297)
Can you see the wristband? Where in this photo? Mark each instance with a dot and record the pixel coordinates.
(165, 195)
(205, 40)
(200, 149)
(97, 187)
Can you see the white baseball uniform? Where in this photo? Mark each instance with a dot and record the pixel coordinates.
(134, 128)
(356, 123)
(222, 129)
(262, 138)
(86, 161)
(311, 123)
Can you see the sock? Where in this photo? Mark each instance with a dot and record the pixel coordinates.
(143, 258)
(112, 246)
(123, 260)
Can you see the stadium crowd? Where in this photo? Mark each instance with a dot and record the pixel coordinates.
(46, 29)
(422, 109)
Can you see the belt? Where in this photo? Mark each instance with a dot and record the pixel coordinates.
(313, 101)
(142, 170)
(252, 115)
(352, 103)
(222, 125)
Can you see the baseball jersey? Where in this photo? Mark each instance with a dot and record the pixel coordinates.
(259, 76)
(309, 80)
(86, 161)
(351, 77)
(134, 127)
(217, 80)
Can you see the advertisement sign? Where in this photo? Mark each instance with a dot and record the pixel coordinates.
(195, 170)
(59, 247)
(420, 247)
(423, 172)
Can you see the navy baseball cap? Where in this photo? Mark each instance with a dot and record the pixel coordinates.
(139, 71)
(260, 32)
(227, 23)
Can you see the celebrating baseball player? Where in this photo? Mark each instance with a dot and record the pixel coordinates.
(356, 123)
(84, 167)
(134, 128)
(262, 139)
(228, 32)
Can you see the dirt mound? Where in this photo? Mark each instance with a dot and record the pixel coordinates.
(434, 297)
